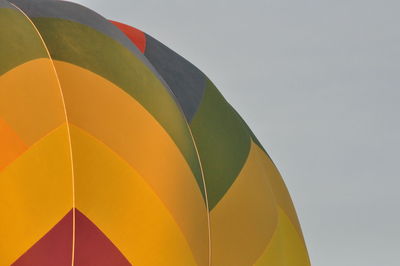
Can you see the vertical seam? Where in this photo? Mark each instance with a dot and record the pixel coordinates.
(205, 194)
(68, 132)
(175, 98)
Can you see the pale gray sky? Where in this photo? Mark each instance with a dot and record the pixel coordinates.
(318, 81)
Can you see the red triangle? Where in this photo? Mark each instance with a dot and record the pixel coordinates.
(55, 248)
(93, 247)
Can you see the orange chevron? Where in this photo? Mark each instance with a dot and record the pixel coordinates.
(30, 100)
(116, 198)
(115, 118)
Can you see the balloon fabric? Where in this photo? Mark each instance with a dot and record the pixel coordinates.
(115, 150)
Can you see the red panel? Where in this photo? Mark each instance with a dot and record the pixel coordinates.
(93, 247)
(55, 248)
(135, 35)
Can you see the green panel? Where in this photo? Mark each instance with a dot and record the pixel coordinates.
(19, 42)
(223, 141)
(83, 46)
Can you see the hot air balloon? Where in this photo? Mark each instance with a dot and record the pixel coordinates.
(115, 150)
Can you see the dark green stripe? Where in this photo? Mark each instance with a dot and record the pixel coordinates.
(19, 42)
(223, 141)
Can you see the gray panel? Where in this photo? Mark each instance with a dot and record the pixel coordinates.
(5, 4)
(185, 80)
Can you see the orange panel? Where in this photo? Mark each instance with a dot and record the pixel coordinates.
(10, 144)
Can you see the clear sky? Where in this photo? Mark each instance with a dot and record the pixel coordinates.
(318, 81)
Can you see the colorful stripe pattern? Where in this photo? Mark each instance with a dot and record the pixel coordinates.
(117, 151)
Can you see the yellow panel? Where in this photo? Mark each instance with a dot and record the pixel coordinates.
(117, 199)
(286, 247)
(118, 120)
(10, 144)
(244, 220)
(35, 193)
(30, 100)
(281, 193)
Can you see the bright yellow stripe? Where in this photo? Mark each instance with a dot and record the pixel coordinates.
(35, 193)
(30, 100)
(244, 220)
(278, 186)
(286, 247)
(117, 199)
(118, 120)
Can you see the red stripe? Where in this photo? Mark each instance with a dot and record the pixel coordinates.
(135, 35)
